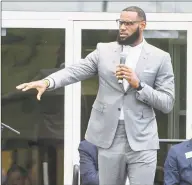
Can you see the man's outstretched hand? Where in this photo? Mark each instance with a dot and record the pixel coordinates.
(40, 85)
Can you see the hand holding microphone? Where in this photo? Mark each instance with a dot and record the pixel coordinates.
(124, 72)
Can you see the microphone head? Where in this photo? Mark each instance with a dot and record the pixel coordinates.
(123, 57)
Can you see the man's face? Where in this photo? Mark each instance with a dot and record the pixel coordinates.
(16, 179)
(130, 28)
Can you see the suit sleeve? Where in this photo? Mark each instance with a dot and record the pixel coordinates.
(83, 70)
(89, 174)
(162, 96)
(171, 171)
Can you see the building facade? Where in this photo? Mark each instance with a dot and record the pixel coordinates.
(40, 37)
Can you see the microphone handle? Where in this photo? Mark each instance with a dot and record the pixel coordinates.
(120, 81)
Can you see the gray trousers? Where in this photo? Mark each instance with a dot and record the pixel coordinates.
(119, 162)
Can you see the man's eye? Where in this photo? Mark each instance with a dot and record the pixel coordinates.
(126, 23)
(129, 23)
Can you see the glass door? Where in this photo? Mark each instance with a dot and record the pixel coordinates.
(31, 49)
(173, 37)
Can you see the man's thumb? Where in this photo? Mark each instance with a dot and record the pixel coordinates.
(39, 95)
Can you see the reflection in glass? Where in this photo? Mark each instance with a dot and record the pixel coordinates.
(32, 54)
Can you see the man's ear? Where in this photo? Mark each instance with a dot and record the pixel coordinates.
(142, 25)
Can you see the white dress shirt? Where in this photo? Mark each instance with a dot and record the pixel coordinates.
(133, 54)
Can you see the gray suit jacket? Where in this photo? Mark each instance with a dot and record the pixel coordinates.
(154, 68)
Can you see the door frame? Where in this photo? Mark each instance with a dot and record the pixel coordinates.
(111, 25)
(53, 21)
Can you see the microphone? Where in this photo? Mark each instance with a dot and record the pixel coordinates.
(122, 61)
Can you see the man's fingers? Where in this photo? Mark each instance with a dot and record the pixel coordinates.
(124, 69)
(21, 86)
(120, 77)
(128, 70)
(125, 75)
(28, 86)
(32, 85)
(120, 73)
(118, 69)
(25, 86)
(121, 65)
(39, 95)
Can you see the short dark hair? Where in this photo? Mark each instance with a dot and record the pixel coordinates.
(22, 175)
(139, 11)
(17, 168)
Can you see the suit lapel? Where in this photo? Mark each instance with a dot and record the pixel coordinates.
(116, 60)
(141, 62)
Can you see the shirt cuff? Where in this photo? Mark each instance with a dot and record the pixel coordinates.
(139, 92)
(51, 82)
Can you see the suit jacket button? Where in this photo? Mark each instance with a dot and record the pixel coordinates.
(119, 109)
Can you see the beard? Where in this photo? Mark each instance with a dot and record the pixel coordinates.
(130, 39)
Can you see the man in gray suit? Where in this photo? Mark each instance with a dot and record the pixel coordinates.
(122, 123)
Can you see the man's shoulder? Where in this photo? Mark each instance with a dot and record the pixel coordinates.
(148, 46)
(105, 45)
(179, 147)
(156, 50)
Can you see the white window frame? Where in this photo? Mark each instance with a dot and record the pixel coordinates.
(55, 21)
(151, 25)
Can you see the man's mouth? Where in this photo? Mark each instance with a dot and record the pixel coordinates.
(123, 35)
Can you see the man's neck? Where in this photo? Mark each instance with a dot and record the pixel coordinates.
(139, 41)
